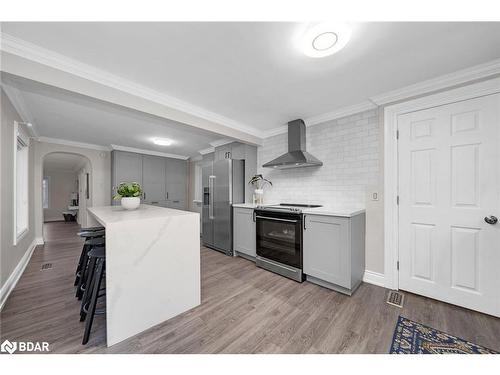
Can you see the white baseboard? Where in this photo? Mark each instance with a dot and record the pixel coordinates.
(39, 241)
(374, 278)
(17, 273)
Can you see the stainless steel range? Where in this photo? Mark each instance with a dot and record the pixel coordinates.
(279, 238)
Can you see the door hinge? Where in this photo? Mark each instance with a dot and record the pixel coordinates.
(397, 134)
(397, 265)
(397, 200)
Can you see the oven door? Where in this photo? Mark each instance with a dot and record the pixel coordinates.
(279, 237)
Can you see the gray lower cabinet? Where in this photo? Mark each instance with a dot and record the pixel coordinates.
(244, 232)
(334, 251)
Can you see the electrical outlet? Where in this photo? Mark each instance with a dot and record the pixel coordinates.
(375, 196)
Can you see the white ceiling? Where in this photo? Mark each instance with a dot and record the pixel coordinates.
(252, 72)
(65, 115)
(63, 162)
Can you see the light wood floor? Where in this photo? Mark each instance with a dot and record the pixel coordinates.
(244, 310)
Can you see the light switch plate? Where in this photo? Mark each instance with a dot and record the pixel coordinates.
(375, 196)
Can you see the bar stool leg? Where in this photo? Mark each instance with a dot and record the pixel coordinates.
(89, 285)
(79, 267)
(83, 277)
(93, 301)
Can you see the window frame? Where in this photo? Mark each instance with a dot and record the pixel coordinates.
(20, 136)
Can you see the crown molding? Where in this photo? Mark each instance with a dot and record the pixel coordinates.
(330, 116)
(33, 52)
(148, 152)
(207, 150)
(474, 73)
(458, 77)
(196, 158)
(16, 98)
(341, 112)
(221, 142)
(65, 142)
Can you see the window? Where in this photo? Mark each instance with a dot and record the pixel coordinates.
(45, 192)
(21, 160)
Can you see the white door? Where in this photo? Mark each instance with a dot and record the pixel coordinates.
(449, 181)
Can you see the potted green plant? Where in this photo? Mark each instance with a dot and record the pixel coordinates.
(259, 182)
(129, 194)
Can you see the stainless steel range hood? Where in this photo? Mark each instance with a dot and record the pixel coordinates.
(297, 156)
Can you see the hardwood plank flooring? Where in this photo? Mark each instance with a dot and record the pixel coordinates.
(244, 310)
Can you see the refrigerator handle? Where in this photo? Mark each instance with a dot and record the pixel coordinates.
(211, 197)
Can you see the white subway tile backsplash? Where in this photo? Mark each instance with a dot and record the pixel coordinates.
(349, 150)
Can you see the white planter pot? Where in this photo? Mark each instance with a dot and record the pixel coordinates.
(130, 203)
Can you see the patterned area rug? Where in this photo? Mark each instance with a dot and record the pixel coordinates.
(414, 338)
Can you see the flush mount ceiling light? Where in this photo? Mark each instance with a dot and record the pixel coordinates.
(162, 141)
(324, 39)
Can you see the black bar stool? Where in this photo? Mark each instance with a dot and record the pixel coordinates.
(82, 275)
(87, 235)
(97, 252)
(98, 260)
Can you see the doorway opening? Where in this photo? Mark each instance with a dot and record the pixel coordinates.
(66, 188)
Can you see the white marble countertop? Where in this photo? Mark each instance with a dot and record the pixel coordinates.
(113, 214)
(246, 205)
(326, 209)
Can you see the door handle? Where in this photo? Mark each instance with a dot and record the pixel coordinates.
(254, 220)
(211, 197)
(491, 219)
(304, 218)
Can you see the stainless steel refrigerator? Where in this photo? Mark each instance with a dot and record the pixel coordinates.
(223, 184)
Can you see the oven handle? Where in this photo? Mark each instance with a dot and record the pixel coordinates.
(272, 218)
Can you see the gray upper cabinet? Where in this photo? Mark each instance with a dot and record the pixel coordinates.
(164, 180)
(334, 251)
(244, 231)
(240, 151)
(176, 183)
(223, 152)
(126, 167)
(153, 179)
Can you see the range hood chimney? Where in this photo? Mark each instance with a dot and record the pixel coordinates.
(297, 156)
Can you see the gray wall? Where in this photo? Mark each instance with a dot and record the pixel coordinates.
(10, 255)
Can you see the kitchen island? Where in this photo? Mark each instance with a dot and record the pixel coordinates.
(152, 266)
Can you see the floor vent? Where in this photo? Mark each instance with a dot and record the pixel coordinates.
(395, 298)
(46, 266)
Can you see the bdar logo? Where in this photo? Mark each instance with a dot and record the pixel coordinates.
(9, 347)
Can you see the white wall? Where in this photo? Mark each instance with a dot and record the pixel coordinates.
(350, 149)
(10, 254)
(100, 181)
(61, 185)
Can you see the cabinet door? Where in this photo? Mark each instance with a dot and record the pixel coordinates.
(153, 179)
(244, 231)
(223, 152)
(326, 249)
(176, 180)
(127, 167)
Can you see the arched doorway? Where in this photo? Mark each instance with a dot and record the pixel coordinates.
(66, 188)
